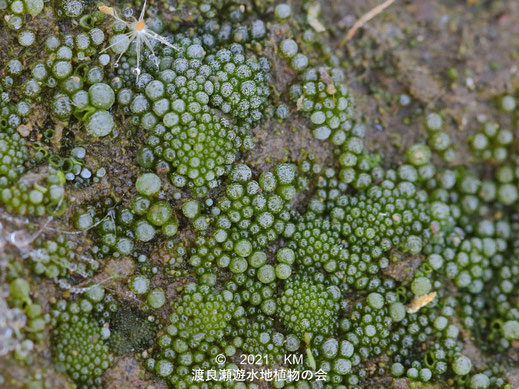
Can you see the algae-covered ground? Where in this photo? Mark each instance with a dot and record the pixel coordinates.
(205, 200)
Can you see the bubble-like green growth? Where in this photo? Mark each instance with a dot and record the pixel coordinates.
(34, 7)
(26, 38)
(283, 271)
(20, 289)
(79, 347)
(100, 123)
(507, 103)
(421, 286)
(308, 307)
(375, 300)
(491, 143)
(144, 231)
(397, 311)
(511, 330)
(199, 320)
(285, 255)
(156, 298)
(191, 209)
(101, 95)
(326, 100)
(288, 48)
(434, 122)
(257, 259)
(43, 196)
(72, 8)
(266, 274)
(55, 257)
(139, 284)
(243, 248)
(13, 154)
(418, 155)
(479, 381)
(159, 213)
(367, 267)
(148, 184)
(283, 11)
(462, 365)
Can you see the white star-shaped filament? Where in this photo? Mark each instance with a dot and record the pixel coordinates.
(139, 32)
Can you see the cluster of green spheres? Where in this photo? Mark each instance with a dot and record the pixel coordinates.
(40, 195)
(323, 95)
(358, 168)
(251, 214)
(198, 104)
(439, 139)
(491, 142)
(24, 316)
(195, 334)
(80, 343)
(308, 307)
(372, 273)
(13, 154)
(258, 338)
(120, 227)
(54, 258)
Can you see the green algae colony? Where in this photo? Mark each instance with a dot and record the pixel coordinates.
(148, 227)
